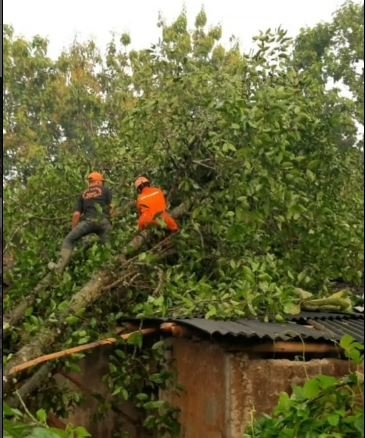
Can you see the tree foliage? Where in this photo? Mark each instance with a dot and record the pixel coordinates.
(19, 425)
(265, 152)
(337, 49)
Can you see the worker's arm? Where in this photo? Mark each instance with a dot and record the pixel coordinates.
(141, 223)
(77, 212)
(75, 219)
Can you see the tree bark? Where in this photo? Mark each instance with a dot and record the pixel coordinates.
(31, 385)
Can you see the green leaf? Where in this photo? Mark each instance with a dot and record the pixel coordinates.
(153, 405)
(125, 394)
(326, 382)
(311, 176)
(8, 411)
(311, 389)
(333, 419)
(157, 345)
(359, 423)
(142, 396)
(40, 432)
(72, 320)
(41, 416)
(117, 390)
(228, 147)
(346, 341)
(212, 312)
(284, 402)
(135, 339)
(292, 309)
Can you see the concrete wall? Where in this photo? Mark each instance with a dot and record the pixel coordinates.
(225, 390)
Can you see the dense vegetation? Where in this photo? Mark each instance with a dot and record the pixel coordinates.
(262, 152)
(325, 407)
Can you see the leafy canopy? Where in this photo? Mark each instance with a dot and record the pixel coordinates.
(263, 149)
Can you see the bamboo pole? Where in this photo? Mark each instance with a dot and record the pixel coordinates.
(293, 347)
(176, 330)
(70, 351)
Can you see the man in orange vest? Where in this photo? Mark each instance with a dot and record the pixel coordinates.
(91, 216)
(152, 206)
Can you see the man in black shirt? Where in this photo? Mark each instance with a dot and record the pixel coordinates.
(91, 216)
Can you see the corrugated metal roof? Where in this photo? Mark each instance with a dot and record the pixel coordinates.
(247, 328)
(306, 326)
(336, 329)
(319, 326)
(336, 324)
(304, 316)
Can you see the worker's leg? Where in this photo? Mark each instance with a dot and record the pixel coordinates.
(145, 220)
(103, 230)
(169, 221)
(72, 237)
(82, 229)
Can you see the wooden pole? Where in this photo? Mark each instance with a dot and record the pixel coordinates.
(176, 330)
(292, 347)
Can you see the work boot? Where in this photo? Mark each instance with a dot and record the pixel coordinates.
(62, 262)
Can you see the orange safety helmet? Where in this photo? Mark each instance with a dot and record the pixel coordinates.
(141, 180)
(95, 177)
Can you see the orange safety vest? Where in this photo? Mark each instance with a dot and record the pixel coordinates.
(152, 200)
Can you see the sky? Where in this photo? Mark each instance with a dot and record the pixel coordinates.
(60, 21)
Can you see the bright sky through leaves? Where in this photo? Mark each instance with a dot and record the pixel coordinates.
(60, 21)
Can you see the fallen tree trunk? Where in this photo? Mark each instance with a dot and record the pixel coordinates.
(86, 296)
(17, 314)
(82, 299)
(34, 382)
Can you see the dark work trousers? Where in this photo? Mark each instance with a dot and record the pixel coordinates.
(89, 226)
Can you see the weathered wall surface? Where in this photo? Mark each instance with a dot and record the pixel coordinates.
(225, 390)
(254, 385)
(200, 368)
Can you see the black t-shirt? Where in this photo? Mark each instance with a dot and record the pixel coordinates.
(95, 202)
